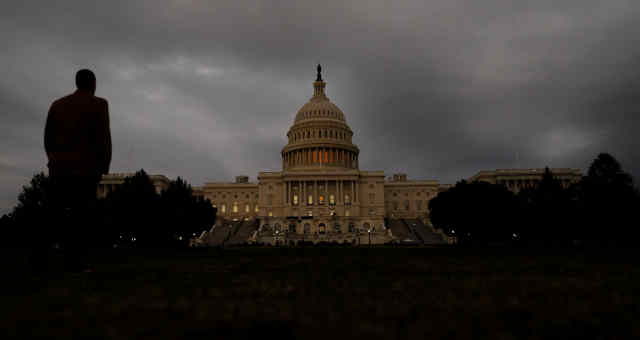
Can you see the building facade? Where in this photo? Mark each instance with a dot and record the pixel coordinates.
(518, 179)
(321, 193)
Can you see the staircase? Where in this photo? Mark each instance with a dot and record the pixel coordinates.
(399, 230)
(242, 232)
(424, 232)
(218, 234)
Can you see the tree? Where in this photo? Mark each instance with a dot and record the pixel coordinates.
(30, 219)
(131, 211)
(476, 212)
(547, 212)
(606, 200)
(185, 215)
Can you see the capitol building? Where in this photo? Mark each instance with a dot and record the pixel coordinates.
(321, 194)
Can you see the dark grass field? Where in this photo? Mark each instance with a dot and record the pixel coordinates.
(324, 293)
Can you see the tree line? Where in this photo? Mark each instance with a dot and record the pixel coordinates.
(598, 209)
(134, 214)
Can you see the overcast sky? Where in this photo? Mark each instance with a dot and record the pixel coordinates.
(439, 89)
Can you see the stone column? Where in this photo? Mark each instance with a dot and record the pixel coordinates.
(352, 191)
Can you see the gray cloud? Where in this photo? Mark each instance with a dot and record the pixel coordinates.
(438, 90)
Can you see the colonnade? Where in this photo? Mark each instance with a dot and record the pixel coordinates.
(345, 192)
(321, 156)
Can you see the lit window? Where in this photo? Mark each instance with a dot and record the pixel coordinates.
(256, 209)
(309, 213)
(270, 214)
(247, 208)
(310, 200)
(332, 199)
(347, 199)
(295, 199)
(235, 207)
(320, 199)
(223, 208)
(347, 213)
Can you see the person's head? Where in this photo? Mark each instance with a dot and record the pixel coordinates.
(86, 81)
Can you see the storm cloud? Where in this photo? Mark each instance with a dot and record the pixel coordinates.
(441, 89)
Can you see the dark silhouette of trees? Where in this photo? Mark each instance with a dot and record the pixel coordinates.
(605, 202)
(598, 209)
(546, 212)
(476, 212)
(131, 211)
(138, 216)
(185, 215)
(30, 219)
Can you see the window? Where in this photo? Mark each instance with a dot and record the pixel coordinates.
(235, 207)
(372, 197)
(223, 208)
(270, 199)
(277, 227)
(310, 200)
(332, 200)
(309, 213)
(347, 199)
(321, 199)
(406, 205)
(270, 214)
(295, 199)
(352, 227)
(322, 228)
(247, 208)
(292, 228)
(418, 205)
(372, 211)
(256, 209)
(347, 213)
(307, 228)
(395, 205)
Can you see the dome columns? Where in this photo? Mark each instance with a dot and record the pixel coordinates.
(321, 156)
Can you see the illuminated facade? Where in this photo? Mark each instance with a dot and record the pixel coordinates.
(321, 193)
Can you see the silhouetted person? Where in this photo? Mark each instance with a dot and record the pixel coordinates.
(77, 140)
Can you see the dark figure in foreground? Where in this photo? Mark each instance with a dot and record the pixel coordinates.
(77, 140)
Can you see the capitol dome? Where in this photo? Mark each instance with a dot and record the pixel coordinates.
(319, 136)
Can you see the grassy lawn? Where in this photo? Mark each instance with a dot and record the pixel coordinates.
(318, 292)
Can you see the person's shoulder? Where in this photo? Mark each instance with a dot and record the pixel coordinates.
(101, 101)
(62, 100)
